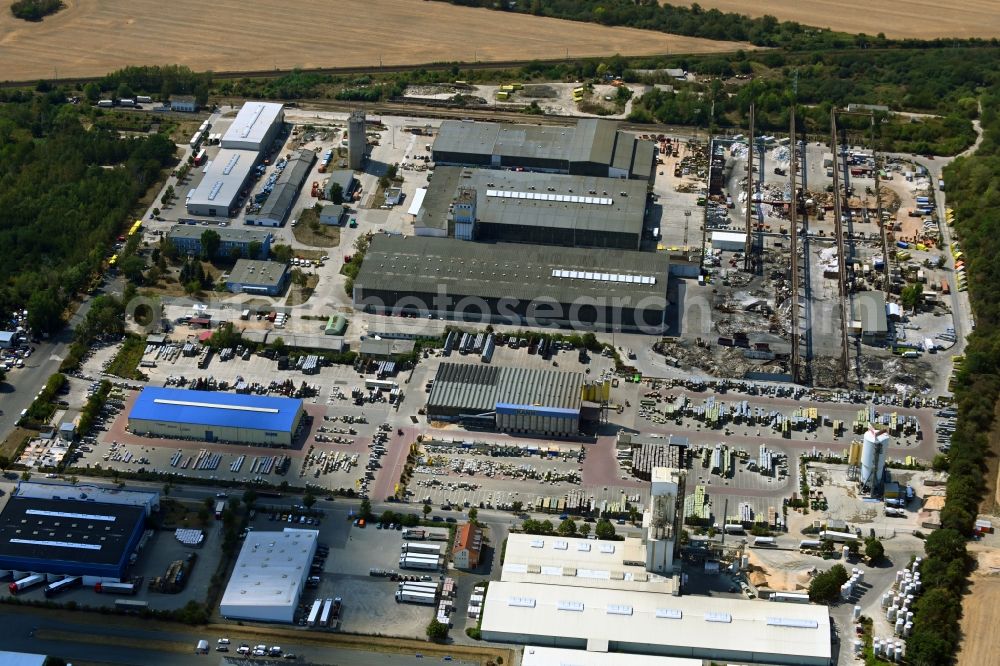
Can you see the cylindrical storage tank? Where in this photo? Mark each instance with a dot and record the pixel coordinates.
(845, 591)
(877, 646)
(873, 452)
(846, 552)
(900, 623)
(909, 616)
(857, 613)
(854, 571)
(857, 647)
(898, 653)
(907, 628)
(886, 600)
(891, 614)
(916, 563)
(899, 576)
(917, 586)
(745, 562)
(861, 576)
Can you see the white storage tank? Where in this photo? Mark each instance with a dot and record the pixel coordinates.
(873, 452)
(857, 613)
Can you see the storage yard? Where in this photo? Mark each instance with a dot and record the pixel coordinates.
(153, 34)
(728, 483)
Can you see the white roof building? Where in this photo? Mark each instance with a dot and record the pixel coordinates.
(603, 620)
(149, 500)
(217, 195)
(255, 126)
(545, 656)
(549, 560)
(269, 576)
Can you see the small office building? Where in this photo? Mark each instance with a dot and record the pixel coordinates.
(250, 243)
(250, 276)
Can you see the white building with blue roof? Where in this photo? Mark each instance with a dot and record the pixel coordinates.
(212, 416)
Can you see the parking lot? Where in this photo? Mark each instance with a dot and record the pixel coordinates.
(157, 554)
(369, 605)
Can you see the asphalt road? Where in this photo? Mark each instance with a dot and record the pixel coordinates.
(26, 631)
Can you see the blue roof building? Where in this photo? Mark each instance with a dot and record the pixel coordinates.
(215, 416)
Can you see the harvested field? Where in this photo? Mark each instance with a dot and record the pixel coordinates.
(981, 611)
(92, 37)
(919, 19)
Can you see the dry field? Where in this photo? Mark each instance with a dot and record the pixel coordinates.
(93, 37)
(920, 19)
(981, 610)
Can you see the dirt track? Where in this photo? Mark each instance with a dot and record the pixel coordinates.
(92, 37)
(921, 19)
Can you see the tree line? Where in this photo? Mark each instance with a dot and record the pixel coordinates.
(973, 185)
(65, 192)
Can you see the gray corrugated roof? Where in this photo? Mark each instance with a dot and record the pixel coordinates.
(286, 190)
(478, 388)
(642, 163)
(252, 271)
(624, 149)
(423, 265)
(625, 213)
(592, 140)
(240, 234)
(345, 177)
(871, 312)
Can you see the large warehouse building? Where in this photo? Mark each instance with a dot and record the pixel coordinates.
(224, 184)
(524, 400)
(269, 576)
(69, 537)
(215, 416)
(256, 125)
(594, 147)
(611, 620)
(507, 283)
(524, 207)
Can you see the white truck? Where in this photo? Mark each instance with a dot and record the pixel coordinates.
(415, 597)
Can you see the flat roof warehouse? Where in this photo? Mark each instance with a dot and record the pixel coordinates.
(566, 286)
(601, 212)
(68, 536)
(655, 623)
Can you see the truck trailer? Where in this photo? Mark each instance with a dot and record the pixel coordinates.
(419, 548)
(417, 562)
(324, 617)
(314, 612)
(68, 583)
(26, 583)
(220, 506)
(425, 598)
(115, 588)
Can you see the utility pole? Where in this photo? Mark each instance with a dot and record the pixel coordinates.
(793, 223)
(748, 249)
(841, 258)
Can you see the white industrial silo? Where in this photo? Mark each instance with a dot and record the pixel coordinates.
(873, 452)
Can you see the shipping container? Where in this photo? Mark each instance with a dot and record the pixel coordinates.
(131, 604)
(429, 548)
